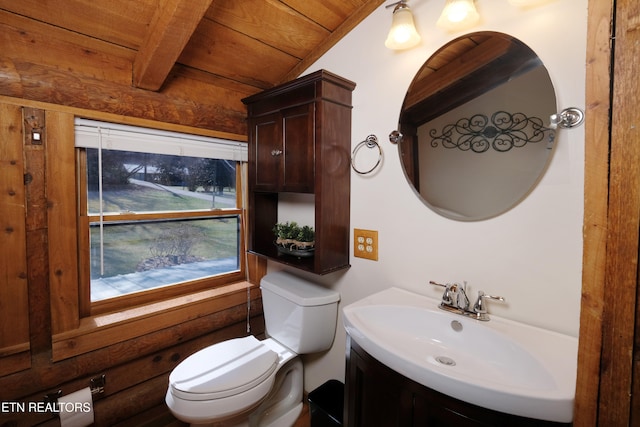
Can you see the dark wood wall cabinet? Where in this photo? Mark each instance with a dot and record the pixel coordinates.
(376, 395)
(300, 142)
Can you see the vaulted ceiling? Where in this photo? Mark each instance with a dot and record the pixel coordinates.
(227, 49)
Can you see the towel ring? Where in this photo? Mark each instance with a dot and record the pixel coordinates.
(370, 142)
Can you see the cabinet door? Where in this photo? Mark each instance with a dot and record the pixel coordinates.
(284, 150)
(374, 396)
(298, 129)
(265, 158)
(431, 411)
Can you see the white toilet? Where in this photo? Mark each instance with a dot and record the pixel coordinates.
(247, 382)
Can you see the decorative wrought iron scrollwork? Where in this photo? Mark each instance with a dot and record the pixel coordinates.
(504, 132)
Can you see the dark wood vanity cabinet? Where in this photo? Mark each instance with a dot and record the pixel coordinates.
(377, 396)
(300, 142)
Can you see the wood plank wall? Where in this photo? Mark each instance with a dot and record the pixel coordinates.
(48, 75)
(13, 250)
(608, 387)
(45, 63)
(41, 64)
(623, 224)
(595, 216)
(136, 369)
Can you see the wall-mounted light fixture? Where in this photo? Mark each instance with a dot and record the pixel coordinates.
(403, 33)
(458, 14)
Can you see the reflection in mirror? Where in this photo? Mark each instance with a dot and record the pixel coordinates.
(474, 119)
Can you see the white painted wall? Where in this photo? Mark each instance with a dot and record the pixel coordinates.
(532, 255)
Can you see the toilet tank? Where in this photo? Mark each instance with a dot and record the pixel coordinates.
(299, 314)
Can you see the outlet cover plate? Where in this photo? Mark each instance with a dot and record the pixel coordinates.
(365, 244)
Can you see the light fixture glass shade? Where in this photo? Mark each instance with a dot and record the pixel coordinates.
(403, 33)
(458, 14)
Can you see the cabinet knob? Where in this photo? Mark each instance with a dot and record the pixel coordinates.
(275, 153)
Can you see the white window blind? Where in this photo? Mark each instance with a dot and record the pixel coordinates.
(110, 136)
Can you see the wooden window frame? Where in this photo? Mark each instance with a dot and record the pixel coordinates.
(74, 330)
(123, 302)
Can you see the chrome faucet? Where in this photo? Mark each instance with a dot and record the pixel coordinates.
(454, 295)
(455, 300)
(480, 309)
(462, 301)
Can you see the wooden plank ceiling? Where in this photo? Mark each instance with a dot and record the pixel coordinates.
(240, 46)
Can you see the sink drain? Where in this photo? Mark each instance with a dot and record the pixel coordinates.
(456, 326)
(446, 360)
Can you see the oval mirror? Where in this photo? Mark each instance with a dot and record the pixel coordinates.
(473, 123)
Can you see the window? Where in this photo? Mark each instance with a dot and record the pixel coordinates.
(160, 214)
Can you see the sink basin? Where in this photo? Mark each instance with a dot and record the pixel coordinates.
(500, 364)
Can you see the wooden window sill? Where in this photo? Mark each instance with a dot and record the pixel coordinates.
(106, 329)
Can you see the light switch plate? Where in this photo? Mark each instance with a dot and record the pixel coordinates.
(365, 244)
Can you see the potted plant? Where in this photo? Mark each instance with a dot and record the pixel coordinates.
(293, 239)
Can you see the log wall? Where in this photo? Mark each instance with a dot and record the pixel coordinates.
(48, 73)
(34, 182)
(45, 63)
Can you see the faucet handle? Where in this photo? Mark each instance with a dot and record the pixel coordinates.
(431, 282)
(448, 297)
(480, 306)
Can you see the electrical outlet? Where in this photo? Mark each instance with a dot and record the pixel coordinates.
(365, 244)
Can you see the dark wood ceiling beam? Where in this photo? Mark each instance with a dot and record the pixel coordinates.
(171, 28)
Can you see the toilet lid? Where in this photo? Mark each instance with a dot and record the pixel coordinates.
(223, 369)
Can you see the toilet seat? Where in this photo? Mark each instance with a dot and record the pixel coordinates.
(223, 370)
